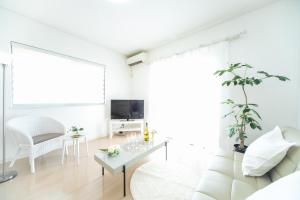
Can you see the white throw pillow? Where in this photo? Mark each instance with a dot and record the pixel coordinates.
(265, 153)
(285, 188)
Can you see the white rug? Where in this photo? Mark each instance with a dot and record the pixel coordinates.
(164, 181)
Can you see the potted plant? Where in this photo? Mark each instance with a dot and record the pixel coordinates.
(244, 114)
(75, 130)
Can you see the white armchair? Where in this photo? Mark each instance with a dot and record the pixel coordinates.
(36, 135)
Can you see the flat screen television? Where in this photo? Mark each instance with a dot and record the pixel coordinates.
(127, 109)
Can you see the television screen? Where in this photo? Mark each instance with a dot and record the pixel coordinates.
(127, 109)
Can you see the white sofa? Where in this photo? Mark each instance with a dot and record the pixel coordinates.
(224, 179)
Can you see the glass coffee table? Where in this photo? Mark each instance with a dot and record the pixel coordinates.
(130, 153)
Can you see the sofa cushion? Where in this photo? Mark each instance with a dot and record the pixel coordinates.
(291, 162)
(224, 179)
(44, 137)
(265, 153)
(285, 188)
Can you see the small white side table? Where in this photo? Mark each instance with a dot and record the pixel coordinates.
(75, 140)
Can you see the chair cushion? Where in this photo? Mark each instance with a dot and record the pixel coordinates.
(44, 137)
(224, 179)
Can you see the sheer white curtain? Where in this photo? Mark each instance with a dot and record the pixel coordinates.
(185, 98)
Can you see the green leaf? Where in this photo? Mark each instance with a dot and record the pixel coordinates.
(235, 66)
(253, 125)
(219, 72)
(241, 82)
(222, 72)
(228, 101)
(249, 119)
(246, 110)
(238, 105)
(227, 83)
(216, 72)
(264, 73)
(257, 81)
(248, 66)
(231, 132)
(282, 78)
(252, 104)
(256, 113)
(236, 77)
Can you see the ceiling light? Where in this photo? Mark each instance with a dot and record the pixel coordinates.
(119, 1)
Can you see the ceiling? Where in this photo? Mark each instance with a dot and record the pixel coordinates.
(128, 26)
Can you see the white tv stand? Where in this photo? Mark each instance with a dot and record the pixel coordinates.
(122, 126)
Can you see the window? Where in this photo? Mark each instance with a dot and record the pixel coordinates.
(185, 95)
(41, 77)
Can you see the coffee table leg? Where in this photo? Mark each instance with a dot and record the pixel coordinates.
(102, 171)
(124, 181)
(166, 145)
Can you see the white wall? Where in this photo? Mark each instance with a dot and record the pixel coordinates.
(93, 118)
(272, 44)
(140, 85)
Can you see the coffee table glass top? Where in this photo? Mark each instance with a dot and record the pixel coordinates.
(130, 152)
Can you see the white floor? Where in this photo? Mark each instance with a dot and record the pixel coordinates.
(173, 179)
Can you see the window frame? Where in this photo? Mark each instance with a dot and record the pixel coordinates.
(50, 52)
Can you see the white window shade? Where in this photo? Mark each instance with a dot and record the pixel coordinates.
(41, 77)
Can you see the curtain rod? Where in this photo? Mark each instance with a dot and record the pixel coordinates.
(228, 38)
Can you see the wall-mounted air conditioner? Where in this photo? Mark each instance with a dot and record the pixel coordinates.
(137, 59)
